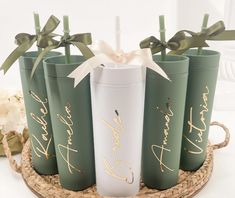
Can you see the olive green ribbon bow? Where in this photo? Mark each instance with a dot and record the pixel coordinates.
(178, 43)
(15, 141)
(78, 40)
(185, 39)
(25, 42)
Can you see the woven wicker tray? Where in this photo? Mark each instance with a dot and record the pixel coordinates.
(190, 183)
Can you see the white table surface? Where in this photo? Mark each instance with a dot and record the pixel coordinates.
(221, 184)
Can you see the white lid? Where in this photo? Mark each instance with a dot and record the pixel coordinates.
(118, 74)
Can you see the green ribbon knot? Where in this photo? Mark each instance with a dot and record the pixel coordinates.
(83, 38)
(185, 39)
(25, 42)
(178, 42)
(78, 40)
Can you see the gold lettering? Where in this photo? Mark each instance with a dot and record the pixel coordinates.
(198, 129)
(160, 159)
(163, 148)
(66, 157)
(199, 149)
(112, 169)
(68, 122)
(116, 134)
(40, 148)
(40, 119)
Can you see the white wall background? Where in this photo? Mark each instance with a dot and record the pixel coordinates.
(139, 19)
(190, 12)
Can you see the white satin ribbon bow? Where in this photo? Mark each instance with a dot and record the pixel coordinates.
(105, 54)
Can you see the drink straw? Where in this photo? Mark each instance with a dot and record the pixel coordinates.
(162, 35)
(66, 35)
(37, 26)
(118, 33)
(204, 26)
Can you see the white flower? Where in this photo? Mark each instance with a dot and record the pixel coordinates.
(12, 112)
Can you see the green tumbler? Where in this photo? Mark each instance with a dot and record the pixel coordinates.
(163, 122)
(203, 70)
(71, 118)
(38, 114)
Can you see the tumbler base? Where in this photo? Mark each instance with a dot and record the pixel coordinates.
(189, 184)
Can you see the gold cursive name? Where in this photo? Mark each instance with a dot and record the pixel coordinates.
(163, 148)
(199, 130)
(111, 168)
(41, 149)
(68, 122)
(115, 131)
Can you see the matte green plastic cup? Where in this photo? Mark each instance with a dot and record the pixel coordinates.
(71, 117)
(203, 70)
(38, 114)
(163, 122)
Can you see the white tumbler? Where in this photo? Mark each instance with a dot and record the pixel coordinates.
(117, 93)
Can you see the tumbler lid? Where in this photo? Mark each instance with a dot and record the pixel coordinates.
(207, 60)
(173, 64)
(118, 74)
(27, 59)
(56, 66)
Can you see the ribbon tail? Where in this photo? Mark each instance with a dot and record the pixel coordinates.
(103, 47)
(155, 67)
(40, 57)
(224, 36)
(53, 34)
(13, 141)
(19, 51)
(51, 25)
(84, 38)
(86, 52)
(147, 61)
(86, 67)
(177, 52)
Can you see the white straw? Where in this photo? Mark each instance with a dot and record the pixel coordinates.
(118, 33)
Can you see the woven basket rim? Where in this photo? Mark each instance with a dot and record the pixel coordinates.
(48, 186)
